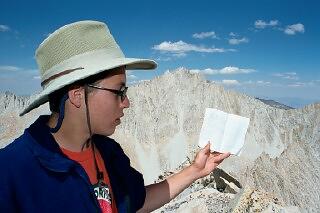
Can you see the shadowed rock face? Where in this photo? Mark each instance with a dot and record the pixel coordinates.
(160, 132)
(274, 104)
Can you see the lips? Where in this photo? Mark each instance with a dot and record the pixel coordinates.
(118, 120)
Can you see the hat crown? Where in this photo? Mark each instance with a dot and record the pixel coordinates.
(75, 39)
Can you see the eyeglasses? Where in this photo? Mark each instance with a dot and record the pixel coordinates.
(122, 92)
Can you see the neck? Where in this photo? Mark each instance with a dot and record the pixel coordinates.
(73, 134)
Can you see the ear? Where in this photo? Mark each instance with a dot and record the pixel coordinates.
(76, 96)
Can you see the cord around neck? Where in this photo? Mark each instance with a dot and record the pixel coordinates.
(99, 173)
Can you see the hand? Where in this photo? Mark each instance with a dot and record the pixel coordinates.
(205, 161)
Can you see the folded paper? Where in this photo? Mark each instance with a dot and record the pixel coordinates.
(225, 132)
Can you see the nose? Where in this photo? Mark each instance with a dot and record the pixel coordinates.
(125, 103)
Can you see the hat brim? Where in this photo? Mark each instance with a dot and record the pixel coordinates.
(68, 79)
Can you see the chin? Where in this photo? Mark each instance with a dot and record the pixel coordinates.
(108, 133)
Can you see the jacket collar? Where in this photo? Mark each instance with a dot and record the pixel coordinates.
(45, 148)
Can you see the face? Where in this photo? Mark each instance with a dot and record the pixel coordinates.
(105, 107)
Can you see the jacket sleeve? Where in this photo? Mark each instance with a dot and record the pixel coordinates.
(6, 190)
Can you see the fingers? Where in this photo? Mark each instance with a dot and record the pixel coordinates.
(218, 158)
(215, 154)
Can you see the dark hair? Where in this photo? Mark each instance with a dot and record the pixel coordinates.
(55, 97)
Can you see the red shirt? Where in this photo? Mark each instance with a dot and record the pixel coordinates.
(86, 160)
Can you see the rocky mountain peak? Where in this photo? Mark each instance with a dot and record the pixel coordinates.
(281, 155)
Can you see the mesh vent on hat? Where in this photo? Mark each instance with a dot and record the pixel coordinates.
(74, 39)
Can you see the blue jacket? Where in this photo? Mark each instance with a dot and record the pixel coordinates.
(37, 177)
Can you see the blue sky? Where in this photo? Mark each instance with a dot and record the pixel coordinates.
(268, 49)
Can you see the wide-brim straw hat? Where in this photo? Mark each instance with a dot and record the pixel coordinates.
(77, 51)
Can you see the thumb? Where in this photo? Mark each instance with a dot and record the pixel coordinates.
(206, 149)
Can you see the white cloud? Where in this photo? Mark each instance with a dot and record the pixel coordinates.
(232, 34)
(250, 83)
(263, 83)
(235, 41)
(180, 48)
(303, 84)
(260, 24)
(287, 75)
(163, 59)
(203, 35)
(4, 28)
(289, 30)
(235, 70)
(293, 29)
(297, 84)
(131, 77)
(14, 73)
(207, 71)
(230, 82)
(257, 83)
(9, 68)
(179, 55)
(224, 71)
(290, 77)
(36, 77)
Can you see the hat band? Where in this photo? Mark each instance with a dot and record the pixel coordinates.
(84, 60)
(59, 74)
